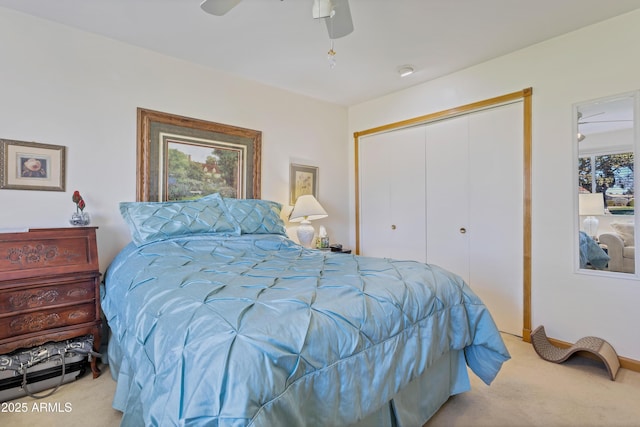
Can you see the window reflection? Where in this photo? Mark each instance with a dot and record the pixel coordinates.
(612, 176)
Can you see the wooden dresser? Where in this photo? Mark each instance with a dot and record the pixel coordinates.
(49, 288)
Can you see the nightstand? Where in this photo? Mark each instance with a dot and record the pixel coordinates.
(49, 288)
(342, 251)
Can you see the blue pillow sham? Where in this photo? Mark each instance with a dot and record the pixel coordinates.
(257, 216)
(154, 221)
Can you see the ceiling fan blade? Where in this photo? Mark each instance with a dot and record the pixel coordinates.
(218, 7)
(589, 116)
(340, 24)
(605, 121)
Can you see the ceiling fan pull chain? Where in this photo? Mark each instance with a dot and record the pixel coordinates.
(331, 56)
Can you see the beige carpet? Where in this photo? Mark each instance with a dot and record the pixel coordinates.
(528, 392)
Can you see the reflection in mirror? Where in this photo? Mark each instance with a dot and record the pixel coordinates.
(606, 135)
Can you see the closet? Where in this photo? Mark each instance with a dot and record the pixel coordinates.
(450, 192)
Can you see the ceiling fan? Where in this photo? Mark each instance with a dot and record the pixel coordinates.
(587, 120)
(584, 121)
(336, 13)
(581, 119)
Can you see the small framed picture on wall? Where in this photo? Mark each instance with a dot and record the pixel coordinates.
(31, 166)
(303, 179)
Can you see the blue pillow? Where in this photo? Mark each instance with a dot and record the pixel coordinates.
(257, 216)
(154, 221)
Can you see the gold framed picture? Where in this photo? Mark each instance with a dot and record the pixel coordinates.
(181, 158)
(303, 180)
(31, 166)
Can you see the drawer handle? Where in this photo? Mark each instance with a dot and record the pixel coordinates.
(78, 315)
(463, 230)
(78, 292)
(393, 226)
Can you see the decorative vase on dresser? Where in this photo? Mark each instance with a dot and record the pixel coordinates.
(49, 288)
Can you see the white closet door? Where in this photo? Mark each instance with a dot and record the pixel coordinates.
(392, 194)
(375, 193)
(496, 212)
(447, 188)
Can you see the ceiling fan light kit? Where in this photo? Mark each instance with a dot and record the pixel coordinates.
(322, 9)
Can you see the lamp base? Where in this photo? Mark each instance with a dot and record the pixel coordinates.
(305, 233)
(591, 226)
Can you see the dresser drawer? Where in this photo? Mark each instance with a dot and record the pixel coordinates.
(46, 296)
(26, 323)
(47, 252)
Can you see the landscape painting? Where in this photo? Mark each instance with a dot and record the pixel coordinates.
(196, 169)
(182, 158)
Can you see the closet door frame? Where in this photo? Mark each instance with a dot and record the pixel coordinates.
(523, 95)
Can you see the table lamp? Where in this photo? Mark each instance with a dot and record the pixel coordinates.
(590, 205)
(306, 209)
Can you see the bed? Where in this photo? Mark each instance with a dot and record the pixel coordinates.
(217, 318)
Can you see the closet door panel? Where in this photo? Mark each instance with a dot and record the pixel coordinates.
(392, 188)
(408, 195)
(496, 212)
(375, 192)
(447, 192)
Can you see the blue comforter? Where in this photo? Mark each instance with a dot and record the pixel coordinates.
(591, 254)
(254, 330)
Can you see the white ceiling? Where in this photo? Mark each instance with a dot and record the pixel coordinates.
(278, 43)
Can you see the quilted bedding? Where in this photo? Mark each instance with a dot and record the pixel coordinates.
(591, 254)
(255, 329)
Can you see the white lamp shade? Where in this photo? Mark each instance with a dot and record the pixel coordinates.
(591, 204)
(307, 208)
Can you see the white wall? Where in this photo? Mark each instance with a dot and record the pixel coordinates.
(596, 61)
(65, 87)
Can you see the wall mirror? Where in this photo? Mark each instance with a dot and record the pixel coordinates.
(605, 134)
